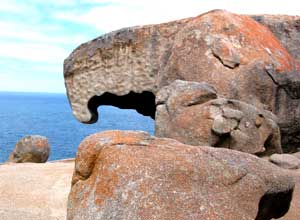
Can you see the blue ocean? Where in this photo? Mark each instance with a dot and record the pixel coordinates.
(50, 115)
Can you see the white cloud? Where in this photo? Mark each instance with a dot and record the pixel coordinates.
(21, 31)
(30, 68)
(11, 6)
(23, 84)
(42, 2)
(118, 14)
(3, 77)
(56, 2)
(121, 14)
(37, 52)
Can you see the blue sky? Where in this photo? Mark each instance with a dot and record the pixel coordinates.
(37, 35)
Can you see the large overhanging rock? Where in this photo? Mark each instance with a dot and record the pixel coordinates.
(122, 63)
(241, 58)
(125, 175)
(191, 113)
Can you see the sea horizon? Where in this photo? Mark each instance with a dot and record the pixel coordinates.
(50, 115)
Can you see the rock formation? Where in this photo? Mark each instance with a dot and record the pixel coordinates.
(286, 161)
(218, 79)
(33, 148)
(124, 175)
(286, 28)
(191, 113)
(241, 58)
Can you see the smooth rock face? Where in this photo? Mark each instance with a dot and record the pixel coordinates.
(125, 175)
(191, 113)
(241, 58)
(33, 148)
(286, 28)
(31, 191)
(286, 161)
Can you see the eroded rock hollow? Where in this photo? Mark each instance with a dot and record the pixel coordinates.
(219, 79)
(239, 57)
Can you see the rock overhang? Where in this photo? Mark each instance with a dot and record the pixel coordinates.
(121, 62)
(231, 52)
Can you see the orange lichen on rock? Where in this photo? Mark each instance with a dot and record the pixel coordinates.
(250, 33)
(265, 40)
(229, 51)
(136, 176)
(286, 29)
(191, 113)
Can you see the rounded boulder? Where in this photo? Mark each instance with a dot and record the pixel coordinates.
(32, 148)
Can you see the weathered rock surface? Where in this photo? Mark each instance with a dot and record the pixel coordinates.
(285, 161)
(293, 213)
(31, 191)
(191, 113)
(124, 175)
(286, 28)
(33, 148)
(241, 58)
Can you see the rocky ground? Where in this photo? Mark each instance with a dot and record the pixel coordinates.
(31, 191)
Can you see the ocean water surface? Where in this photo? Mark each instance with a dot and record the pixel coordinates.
(50, 115)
